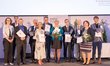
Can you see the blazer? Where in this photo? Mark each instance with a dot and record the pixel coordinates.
(60, 32)
(76, 32)
(47, 33)
(90, 32)
(93, 27)
(70, 31)
(31, 28)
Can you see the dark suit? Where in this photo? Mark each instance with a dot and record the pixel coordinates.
(32, 41)
(14, 42)
(21, 45)
(48, 42)
(68, 45)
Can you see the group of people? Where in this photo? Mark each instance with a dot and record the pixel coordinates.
(44, 36)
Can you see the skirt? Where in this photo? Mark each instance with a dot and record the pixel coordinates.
(57, 44)
(86, 47)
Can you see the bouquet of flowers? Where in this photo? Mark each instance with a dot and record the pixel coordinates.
(87, 38)
(56, 34)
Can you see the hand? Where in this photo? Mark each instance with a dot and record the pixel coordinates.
(22, 38)
(10, 40)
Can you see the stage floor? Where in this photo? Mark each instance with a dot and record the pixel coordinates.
(105, 62)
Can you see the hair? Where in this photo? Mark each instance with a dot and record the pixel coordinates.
(86, 22)
(42, 25)
(65, 19)
(56, 20)
(16, 16)
(20, 19)
(96, 17)
(45, 17)
(6, 20)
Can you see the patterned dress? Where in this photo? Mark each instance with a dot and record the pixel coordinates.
(39, 46)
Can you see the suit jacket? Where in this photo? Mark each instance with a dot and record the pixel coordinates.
(13, 24)
(90, 32)
(18, 40)
(69, 31)
(31, 28)
(96, 29)
(47, 33)
(76, 32)
(60, 32)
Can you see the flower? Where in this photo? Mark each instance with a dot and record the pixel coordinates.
(56, 34)
(86, 38)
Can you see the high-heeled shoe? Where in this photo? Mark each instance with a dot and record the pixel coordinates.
(87, 63)
(84, 63)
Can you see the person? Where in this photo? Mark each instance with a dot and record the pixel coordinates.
(86, 45)
(56, 33)
(67, 44)
(8, 36)
(31, 33)
(78, 29)
(47, 26)
(40, 44)
(97, 42)
(14, 41)
(21, 41)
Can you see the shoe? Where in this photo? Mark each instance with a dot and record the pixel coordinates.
(93, 62)
(84, 63)
(55, 61)
(24, 63)
(11, 64)
(18, 64)
(48, 60)
(58, 61)
(5, 64)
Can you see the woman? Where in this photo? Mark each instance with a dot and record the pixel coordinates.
(40, 44)
(56, 33)
(86, 45)
(8, 36)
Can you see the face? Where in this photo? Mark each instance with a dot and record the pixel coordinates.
(67, 22)
(86, 24)
(40, 25)
(46, 20)
(96, 20)
(16, 18)
(35, 22)
(78, 22)
(20, 21)
(56, 23)
(8, 21)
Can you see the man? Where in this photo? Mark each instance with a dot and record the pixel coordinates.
(14, 41)
(97, 41)
(67, 41)
(78, 28)
(47, 26)
(31, 33)
(21, 34)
